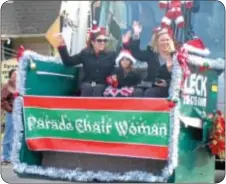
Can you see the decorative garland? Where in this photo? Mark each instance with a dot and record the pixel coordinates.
(86, 176)
(216, 136)
(217, 64)
(179, 67)
(174, 12)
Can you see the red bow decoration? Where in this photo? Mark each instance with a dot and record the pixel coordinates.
(111, 81)
(174, 12)
(171, 104)
(204, 68)
(20, 52)
(217, 143)
(182, 57)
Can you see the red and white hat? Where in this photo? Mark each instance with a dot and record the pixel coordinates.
(96, 29)
(196, 46)
(126, 54)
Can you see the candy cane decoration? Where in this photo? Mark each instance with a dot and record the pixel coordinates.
(182, 57)
(164, 4)
(174, 12)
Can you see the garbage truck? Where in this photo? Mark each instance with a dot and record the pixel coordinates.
(61, 136)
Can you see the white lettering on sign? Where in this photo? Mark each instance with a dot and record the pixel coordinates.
(31, 121)
(45, 123)
(104, 126)
(124, 128)
(196, 85)
(195, 90)
(84, 126)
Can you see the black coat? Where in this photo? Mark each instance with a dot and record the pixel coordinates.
(154, 69)
(163, 73)
(96, 68)
(126, 80)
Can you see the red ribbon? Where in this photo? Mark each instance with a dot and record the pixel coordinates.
(171, 104)
(182, 57)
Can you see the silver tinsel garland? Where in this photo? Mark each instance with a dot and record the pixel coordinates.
(217, 64)
(86, 176)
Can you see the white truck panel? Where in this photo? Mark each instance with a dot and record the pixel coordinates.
(221, 93)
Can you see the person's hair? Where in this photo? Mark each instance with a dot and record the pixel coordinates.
(11, 73)
(92, 37)
(155, 38)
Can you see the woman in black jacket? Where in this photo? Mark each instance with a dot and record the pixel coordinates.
(158, 56)
(98, 63)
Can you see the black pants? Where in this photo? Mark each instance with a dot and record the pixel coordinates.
(154, 92)
(88, 90)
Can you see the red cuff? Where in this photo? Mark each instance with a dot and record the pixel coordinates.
(115, 84)
(109, 80)
(112, 82)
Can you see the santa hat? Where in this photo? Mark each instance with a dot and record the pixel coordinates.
(196, 46)
(162, 30)
(97, 30)
(127, 54)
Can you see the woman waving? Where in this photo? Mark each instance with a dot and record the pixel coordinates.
(98, 63)
(158, 56)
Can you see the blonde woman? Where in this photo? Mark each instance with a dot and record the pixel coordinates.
(158, 56)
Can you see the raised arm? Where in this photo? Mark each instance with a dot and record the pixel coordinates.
(134, 46)
(66, 58)
(133, 43)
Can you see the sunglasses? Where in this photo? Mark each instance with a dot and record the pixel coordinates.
(101, 40)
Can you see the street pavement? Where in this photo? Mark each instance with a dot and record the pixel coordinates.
(10, 177)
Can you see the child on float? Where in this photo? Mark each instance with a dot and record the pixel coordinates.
(123, 79)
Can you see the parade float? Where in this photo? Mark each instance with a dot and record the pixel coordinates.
(61, 136)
